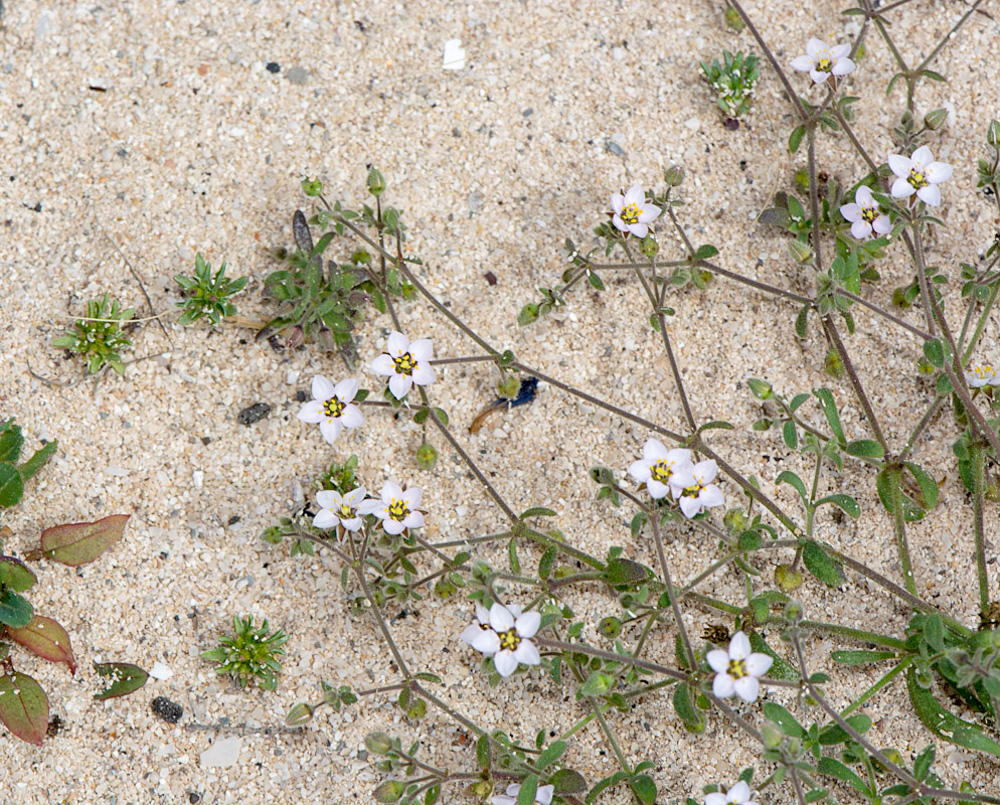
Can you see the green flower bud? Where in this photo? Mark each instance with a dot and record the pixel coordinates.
(935, 119)
(673, 176)
(312, 187)
(509, 386)
(787, 579)
(833, 364)
(609, 627)
(772, 735)
(390, 791)
(427, 456)
(733, 20)
(650, 247)
(378, 743)
(801, 252)
(376, 182)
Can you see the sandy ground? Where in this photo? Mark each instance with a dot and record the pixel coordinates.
(158, 128)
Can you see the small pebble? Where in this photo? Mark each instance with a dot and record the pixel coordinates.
(160, 671)
(198, 477)
(297, 75)
(273, 67)
(224, 752)
(253, 413)
(166, 710)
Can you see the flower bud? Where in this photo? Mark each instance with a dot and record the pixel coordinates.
(650, 247)
(772, 735)
(376, 182)
(509, 386)
(378, 743)
(444, 588)
(787, 579)
(427, 456)
(610, 627)
(299, 714)
(733, 20)
(993, 134)
(296, 335)
(312, 187)
(390, 791)
(801, 252)
(936, 119)
(673, 176)
(482, 789)
(793, 610)
(833, 364)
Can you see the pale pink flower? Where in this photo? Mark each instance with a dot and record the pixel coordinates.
(332, 407)
(919, 174)
(737, 670)
(821, 61)
(405, 363)
(864, 215)
(632, 213)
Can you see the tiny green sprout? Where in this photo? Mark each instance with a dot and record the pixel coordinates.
(249, 653)
(207, 295)
(99, 336)
(733, 81)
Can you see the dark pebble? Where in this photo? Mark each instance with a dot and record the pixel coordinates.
(731, 123)
(273, 67)
(234, 519)
(167, 710)
(254, 413)
(491, 278)
(301, 396)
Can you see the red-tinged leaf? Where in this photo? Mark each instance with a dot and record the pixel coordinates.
(24, 708)
(78, 543)
(15, 575)
(46, 638)
(120, 678)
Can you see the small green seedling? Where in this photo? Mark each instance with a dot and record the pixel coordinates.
(249, 653)
(99, 336)
(733, 81)
(207, 295)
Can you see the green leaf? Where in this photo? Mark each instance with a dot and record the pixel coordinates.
(15, 610)
(829, 407)
(943, 723)
(690, 716)
(834, 768)
(515, 563)
(780, 668)
(864, 448)
(802, 322)
(934, 352)
(933, 76)
(790, 478)
(15, 575)
(644, 788)
(551, 754)
(845, 502)
(11, 442)
(790, 435)
(24, 708)
(537, 511)
(928, 486)
(46, 638)
(11, 485)
(795, 140)
(704, 252)
(717, 424)
(483, 752)
(834, 734)
(546, 562)
(784, 720)
(621, 571)
(862, 657)
(121, 678)
(822, 566)
(568, 781)
(529, 788)
(76, 544)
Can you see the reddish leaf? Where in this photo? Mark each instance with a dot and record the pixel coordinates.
(15, 574)
(46, 638)
(78, 543)
(24, 708)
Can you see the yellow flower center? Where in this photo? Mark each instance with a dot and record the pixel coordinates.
(662, 470)
(694, 491)
(630, 213)
(982, 372)
(346, 511)
(824, 63)
(398, 510)
(333, 407)
(737, 669)
(869, 214)
(405, 364)
(510, 639)
(917, 178)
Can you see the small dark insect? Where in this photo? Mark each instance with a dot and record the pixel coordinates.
(273, 67)
(715, 633)
(166, 710)
(253, 413)
(56, 725)
(525, 394)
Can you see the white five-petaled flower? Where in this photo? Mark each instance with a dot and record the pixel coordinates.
(864, 215)
(981, 374)
(739, 794)
(343, 510)
(405, 362)
(736, 670)
(398, 509)
(504, 633)
(919, 174)
(632, 213)
(701, 493)
(661, 469)
(543, 795)
(821, 61)
(332, 407)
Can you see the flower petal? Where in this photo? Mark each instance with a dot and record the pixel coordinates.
(656, 489)
(414, 520)
(372, 506)
(619, 224)
(818, 77)
(759, 664)
(500, 618)
(639, 230)
(352, 417)
(714, 798)
(864, 196)
(412, 496)
(930, 195)
(423, 374)
(802, 63)
(861, 229)
(322, 389)
(900, 165)
(331, 428)
(740, 792)
(422, 349)
(325, 519)
(843, 66)
(352, 523)
(506, 664)
(393, 527)
(739, 647)
(747, 688)
(527, 654)
(922, 157)
(544, 794)
(706, 471)
(396, 344)
(650, 212)
(635, 195)
(718, 660)
(484, 640)
(722, 686)
(383, 365)
(851, 212)
(528, 623)
(882, 225)
(654, 450)
(640, 472)
(837, 52)
(391, 491)
(399, 385)
(311, 412)
(690, 506)
(346, 390)
(901, 188)
(711, 496)
(617, 202)
(814, 46)
(938, 172)
(329, 499)
(354, 497)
